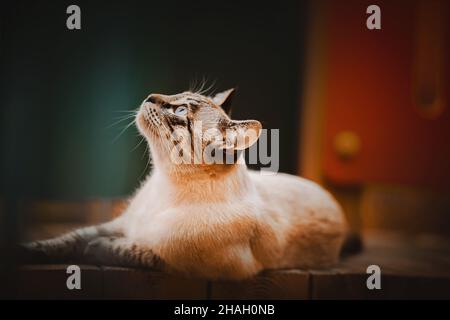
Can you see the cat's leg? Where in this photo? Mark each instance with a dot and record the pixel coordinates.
(67, 247)
(121, 251)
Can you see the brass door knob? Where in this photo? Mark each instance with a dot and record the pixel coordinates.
(347, 144)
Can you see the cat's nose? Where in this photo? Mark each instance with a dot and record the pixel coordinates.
(152, 99)
(156, 98)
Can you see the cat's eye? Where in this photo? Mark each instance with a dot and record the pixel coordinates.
(181, 111)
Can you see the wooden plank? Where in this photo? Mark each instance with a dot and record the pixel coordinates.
(415, 287)
(411, 267)
(338, 285)
(281, 284)
(402, 255)
(125, 283)
(49, 282)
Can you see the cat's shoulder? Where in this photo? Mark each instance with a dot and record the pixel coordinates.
(276, 178)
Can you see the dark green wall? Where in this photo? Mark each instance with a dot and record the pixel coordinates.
(62, 89)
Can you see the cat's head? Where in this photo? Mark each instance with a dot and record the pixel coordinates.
(192, 129)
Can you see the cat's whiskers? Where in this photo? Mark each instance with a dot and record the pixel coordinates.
(124, 129)
(195, 87)
(149, 161)
(205, 91)
(121, 119)
(137, 146)
(200, 88)
(127, 111)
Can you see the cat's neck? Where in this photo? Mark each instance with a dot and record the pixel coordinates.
(201, 183)
(194, 183)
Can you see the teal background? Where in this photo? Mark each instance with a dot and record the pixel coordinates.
(62, 89)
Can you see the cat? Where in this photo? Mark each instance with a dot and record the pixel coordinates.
(211, 220)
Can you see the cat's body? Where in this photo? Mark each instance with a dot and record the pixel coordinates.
(260, 222)
(210, 220)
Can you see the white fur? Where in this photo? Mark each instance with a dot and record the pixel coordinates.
(221, 221)
(304, 223)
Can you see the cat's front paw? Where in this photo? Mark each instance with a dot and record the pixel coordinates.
(32, 253)
(98, 251)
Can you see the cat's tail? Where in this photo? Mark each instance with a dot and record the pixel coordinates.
(353, 244)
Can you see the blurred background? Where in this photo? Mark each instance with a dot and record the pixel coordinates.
(63, 91)
(363, 112)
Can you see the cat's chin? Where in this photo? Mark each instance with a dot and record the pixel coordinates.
(146, 128)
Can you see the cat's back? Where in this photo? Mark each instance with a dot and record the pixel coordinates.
(309, 222)
(289, 191)
(290, 201)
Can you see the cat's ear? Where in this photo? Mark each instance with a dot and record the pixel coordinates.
(224, 99)
(240, 135)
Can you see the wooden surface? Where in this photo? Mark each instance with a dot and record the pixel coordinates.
(412, 268)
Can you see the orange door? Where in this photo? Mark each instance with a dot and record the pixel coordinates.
(388, 94)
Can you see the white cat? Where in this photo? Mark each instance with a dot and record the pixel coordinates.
(203, 219)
